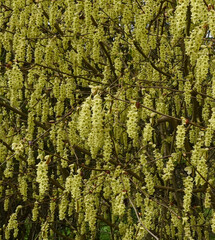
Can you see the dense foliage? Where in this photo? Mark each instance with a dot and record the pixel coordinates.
(107, 119)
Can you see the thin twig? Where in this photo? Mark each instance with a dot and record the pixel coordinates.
(109, 58)
(140, 6)
(139, 49)
(24, 115)
(152, 234)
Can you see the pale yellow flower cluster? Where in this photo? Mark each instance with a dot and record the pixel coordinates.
(147, 61)
(147, 133)
(132, 124)
(108, 145)
(63, 206)
(23, 187)
(180, 137)
(42, 178)
(90, 211)
(202, 66)
(207, 200)
(188, 187)
(198, 15)
(213, 222)
(193, 43)
(15, 78)
(35, 211)
(84, 119)
(13, 224)
(179, 20)
(118, 205)
(96, 137)
(168, 170)
(202, 169)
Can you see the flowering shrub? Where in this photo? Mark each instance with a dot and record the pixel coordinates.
(107, 119)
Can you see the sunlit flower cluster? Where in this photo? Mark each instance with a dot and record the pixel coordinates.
(42, 178)
(107, 119)
(180, 137)
(13, 224)
(132, 124)
(188, 186)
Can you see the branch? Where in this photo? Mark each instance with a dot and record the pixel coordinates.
(111, 161)
(107, 222)
(56, 183)
(74, 76)
(83, 150)
(89, 66)
(24, 115)
(109, 58)
(6, 145)
(6, 7)
(205, 3)
(155, 200)
(59, 233)
(135, 210)
(139, 6)
(150, 109)
(55, 25)
(152, 64)
(206, 181)
(171, 189)
(15, 110)
(154, 19)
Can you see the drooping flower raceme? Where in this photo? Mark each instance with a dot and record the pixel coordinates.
(180, 137)
(188, 186)
(132, 124)
(95, 140)
(42, 178)
(84, 120)
(13, 224)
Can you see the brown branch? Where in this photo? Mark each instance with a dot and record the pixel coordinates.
(53, 69)
(139, 49)
(89, 66)
(6, 7)
(154, 199)
(9, 148)
(56, 183)
(15, 110)
(135, 175)
(24, 115)
(156, 16)
(193, 92)
(109, 58)
(59, 233)
(58, 29)
(135, 210)
(74, 76)
(111, 161)
(94, 21)
(150, 109)
(6, 145)
(206, 181)
(188, 20)
(107, 222)
(140, 6)
(55, 25)
(104, 49)
(171, 189)
(5, 30)
(177, 195)
(93, 169)
(205, 3)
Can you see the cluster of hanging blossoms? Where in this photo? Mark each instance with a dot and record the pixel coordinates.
(107, 119)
